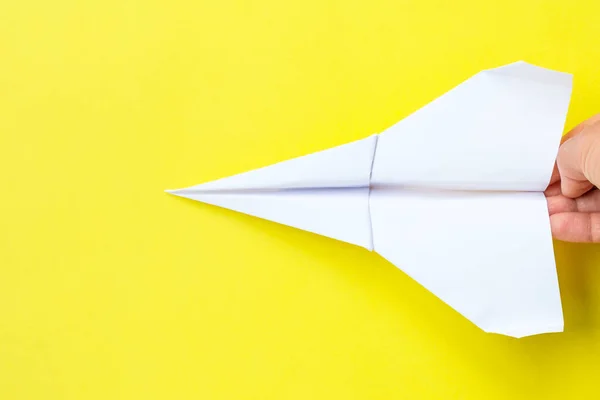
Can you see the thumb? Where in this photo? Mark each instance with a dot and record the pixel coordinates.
(578, 161)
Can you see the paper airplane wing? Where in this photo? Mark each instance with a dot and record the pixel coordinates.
(486, 254)
(325, 193)
(499, 130)
(348, 165)
(341, 214)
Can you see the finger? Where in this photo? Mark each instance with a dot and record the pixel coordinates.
(576, 227)
(568, 166)
(555, 175)
(574, 188)
(578, 161)
(589, 202)
(553, 189)
(561, 204)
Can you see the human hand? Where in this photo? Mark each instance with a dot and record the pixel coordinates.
(573, 197)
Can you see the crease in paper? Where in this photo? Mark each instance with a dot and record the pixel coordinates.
(451, 195)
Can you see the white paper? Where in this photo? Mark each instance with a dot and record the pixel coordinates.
(486, 254)
(495, 131)
(341, 214)
(451, 195)
(325, 193)
(348, 165)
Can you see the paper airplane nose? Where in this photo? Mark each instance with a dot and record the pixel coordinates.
(348, 165)
(326, 193)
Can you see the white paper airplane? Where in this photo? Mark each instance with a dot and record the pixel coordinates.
(451, 195)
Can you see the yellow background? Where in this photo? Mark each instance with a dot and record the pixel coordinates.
(112, 289)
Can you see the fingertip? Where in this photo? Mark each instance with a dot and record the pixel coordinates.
(576, 227)
(552, 190)
(560, 204)
(559, 225)
(566, 190)
(555, 175)
(572, 188)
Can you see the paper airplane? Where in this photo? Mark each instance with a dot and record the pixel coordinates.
(451, 195)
